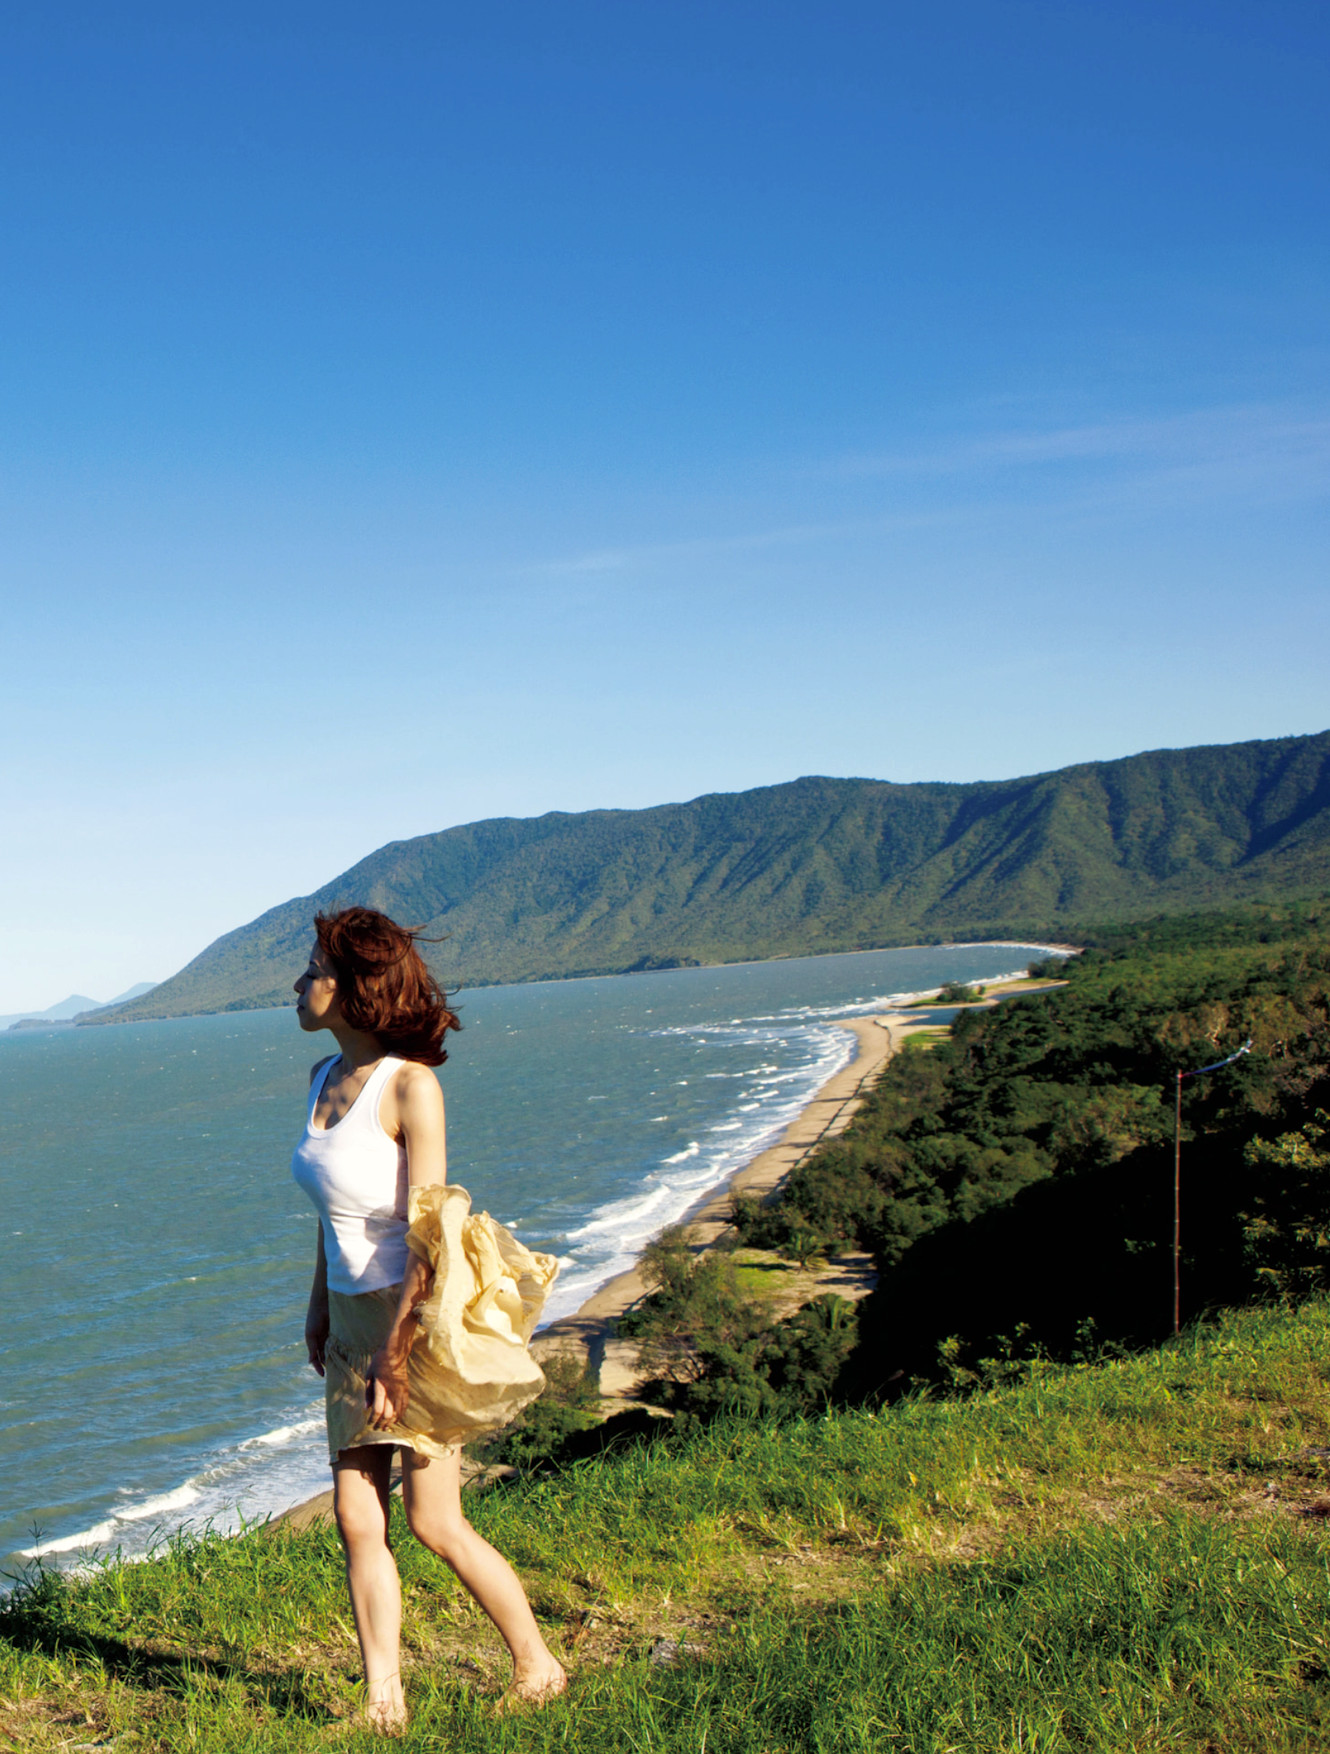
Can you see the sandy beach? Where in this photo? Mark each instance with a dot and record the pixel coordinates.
(591, 1329)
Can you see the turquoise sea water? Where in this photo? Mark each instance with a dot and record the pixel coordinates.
(155, 1254)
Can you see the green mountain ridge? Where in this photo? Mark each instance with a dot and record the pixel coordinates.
(812, 866)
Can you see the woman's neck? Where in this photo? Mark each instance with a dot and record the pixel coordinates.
(359, 1048)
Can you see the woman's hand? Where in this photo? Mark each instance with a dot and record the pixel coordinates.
(386, 1389)
(316, 1336)
(387, 1392)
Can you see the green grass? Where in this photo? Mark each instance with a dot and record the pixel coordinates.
(927, 1037)
(1103, 1556)
(762, 1273)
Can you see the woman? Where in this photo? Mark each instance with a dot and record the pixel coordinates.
(419, 1314)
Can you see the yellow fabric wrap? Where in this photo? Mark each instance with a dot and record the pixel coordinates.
(469, 1371)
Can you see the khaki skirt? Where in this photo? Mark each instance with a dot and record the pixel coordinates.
(469, 1369)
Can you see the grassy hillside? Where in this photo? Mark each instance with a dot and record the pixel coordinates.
(816, 865)
(1122, 1556)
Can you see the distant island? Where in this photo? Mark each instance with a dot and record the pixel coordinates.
(76, 1005)
(816, 865)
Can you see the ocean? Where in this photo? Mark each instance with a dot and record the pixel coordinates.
(156, 1256)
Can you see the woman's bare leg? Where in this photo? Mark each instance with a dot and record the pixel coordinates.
(432, 1491)
(360, 1502)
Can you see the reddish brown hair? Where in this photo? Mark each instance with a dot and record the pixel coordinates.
(383, 985)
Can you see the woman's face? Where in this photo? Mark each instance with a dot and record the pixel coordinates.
(317, 1006)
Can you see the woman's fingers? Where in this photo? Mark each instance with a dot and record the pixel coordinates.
(385, 1404)
(376, 1401)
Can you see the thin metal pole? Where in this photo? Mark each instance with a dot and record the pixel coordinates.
(1177, 1173)
(1177, 1208)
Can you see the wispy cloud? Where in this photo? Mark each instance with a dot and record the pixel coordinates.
(607, 560)
(1256, 436)
(1246, 455)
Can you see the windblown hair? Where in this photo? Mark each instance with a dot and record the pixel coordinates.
(383, 985)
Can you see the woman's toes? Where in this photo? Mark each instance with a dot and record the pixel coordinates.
(537, 1688)
(385, 1709)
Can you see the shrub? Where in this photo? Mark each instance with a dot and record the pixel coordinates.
(1287, 1224)
(957, 993)
(706, 1347)
(568, 1404)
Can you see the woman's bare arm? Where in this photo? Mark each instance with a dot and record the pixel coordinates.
(420, 1124)
(419, 1117)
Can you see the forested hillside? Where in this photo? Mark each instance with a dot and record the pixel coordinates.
(1016, 1181)
(815, 865)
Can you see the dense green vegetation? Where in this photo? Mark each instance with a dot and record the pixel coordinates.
(816, 865)
(1092, 1559)
(1015, 1181)
(708, 1346)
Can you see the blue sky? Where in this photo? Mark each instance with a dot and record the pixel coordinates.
(435, 413)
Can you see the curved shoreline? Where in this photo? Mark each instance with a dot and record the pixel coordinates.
(826, 1113)
(591, 1328)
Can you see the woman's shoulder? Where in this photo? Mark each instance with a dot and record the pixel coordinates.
(318, 1066)
(416, 1090)
(412, 1079)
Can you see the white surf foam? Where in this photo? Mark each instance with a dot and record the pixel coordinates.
(254, 1478)
(161, 1505)
(611, 1240)
(99, 1535)
(283, 1434)
(768, 1098)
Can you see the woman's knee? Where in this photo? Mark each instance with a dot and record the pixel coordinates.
(436, 1528)
(361, 1525)
(359, 1506)
(431, 1497)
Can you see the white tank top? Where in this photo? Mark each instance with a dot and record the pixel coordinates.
(356, 1177)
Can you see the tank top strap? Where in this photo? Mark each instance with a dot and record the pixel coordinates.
(318, 1081)
(370, 1097)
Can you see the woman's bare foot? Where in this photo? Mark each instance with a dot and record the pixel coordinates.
(385, 1708)
(535, 1687)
